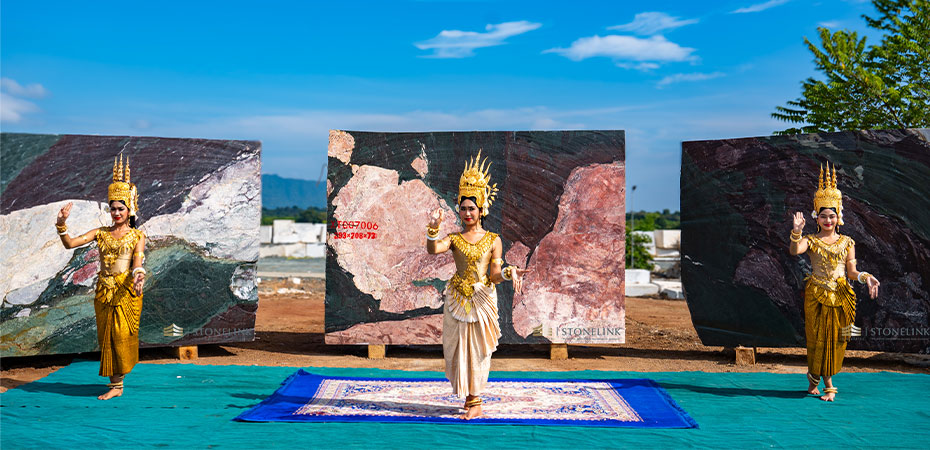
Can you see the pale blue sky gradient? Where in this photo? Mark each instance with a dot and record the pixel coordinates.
(287, 72)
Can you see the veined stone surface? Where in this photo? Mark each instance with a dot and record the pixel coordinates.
(387, 266)
(388, 289)
(421, 330)
(576, 276)
(738, 198)
(199, 207)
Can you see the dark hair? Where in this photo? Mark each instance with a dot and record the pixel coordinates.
(475, 201)
(132, 219)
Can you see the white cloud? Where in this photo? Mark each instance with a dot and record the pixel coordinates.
(12, 109)
(679, 77)
(34, 90)
(759, 7)
(643, 66)
(462, 44)
(649, 52)
(829, 24)
(649, 23)
(12, 104)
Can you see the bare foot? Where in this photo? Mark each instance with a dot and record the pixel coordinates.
(812, 389)
(112, 393)
(473, 412)
(828, 397)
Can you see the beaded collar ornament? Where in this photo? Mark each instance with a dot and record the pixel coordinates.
(827, 195)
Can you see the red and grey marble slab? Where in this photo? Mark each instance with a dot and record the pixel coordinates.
(560, 213)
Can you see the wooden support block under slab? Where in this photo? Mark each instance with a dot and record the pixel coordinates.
(376, 351)
(745, 356)
(558, 351)
(187, 352)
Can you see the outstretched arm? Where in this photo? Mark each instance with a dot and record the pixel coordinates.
(138, 273)
(66, 239)
(434, 245)
(497, 262)
(863, 277)
(497, 273)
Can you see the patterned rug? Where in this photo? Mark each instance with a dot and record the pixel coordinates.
(306, 397)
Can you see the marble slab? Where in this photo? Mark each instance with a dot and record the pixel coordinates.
(560, 212)
(200, 207)
(737, 200)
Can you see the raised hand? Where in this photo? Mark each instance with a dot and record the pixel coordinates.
(64, 213)
(799, 222)
(436, 218)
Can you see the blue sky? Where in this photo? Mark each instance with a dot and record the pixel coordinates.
(286, 73)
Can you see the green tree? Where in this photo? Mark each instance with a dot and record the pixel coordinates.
(879, 86)
(636, 246)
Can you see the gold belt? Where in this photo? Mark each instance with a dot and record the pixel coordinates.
(829, 284)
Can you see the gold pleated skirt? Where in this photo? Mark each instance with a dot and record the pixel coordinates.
(828, 318)
(468, 339)
(117, 310)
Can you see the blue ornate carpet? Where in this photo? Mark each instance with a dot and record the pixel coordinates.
(307, 397)
(190, 406)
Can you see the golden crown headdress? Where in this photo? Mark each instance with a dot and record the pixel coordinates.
(827, 195)
(475, 182)
(121, 188)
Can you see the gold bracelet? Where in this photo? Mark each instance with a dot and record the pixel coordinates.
(432, 232)
(792, 237)
(61, 228)
(507, 273)
(859, 278)
(139, 254)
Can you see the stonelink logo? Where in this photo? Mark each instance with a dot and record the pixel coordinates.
(173, 331)
(850, 331)
(896, 333)
(580, 333)
(542, 331)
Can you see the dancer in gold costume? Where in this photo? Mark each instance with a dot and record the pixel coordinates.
(470, 328)
(118, 299)
(829, 301)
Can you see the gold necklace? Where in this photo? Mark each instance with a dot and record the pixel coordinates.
(463, 285)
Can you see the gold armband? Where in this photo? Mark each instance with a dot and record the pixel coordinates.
(497, 261)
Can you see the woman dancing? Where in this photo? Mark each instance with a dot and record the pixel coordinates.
(829, 301)
(118, 297)
(470, 328)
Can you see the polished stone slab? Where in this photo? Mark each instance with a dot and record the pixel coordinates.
(737, 201)
(200, 207)
(560, 212)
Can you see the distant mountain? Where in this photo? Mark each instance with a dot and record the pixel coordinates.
(278, 192)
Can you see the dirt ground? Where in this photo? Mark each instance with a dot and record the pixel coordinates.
(659, 337)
